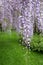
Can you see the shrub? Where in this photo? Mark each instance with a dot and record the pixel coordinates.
(37, 42)
(21, 40)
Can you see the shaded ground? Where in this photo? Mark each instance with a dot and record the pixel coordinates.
(12, 53)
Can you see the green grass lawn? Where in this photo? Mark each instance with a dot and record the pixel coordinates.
(13, 53)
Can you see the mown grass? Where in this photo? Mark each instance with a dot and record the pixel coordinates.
(12, 53)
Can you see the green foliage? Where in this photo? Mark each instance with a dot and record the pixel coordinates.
(12, 53)
(37, 42)
(20, 38)
(6, 20)
(0, 27)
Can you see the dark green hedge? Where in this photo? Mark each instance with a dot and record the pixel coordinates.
(37, 42)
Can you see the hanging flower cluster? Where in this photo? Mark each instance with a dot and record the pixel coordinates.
(21, 14)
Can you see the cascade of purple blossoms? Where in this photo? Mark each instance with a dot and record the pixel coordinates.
(20, 14)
